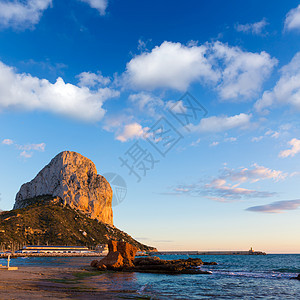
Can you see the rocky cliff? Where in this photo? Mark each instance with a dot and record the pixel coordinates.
(72, 178)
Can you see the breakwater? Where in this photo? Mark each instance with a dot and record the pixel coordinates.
(208, 253)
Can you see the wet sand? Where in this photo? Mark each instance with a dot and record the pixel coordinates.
(53, 283)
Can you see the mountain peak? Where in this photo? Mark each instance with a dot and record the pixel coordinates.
(74, 179)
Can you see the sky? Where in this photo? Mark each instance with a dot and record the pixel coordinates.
(193, 104)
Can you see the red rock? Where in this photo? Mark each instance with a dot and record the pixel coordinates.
(128, 252)
(112, 261)
(112, 246)
(121, 254)
(94, 263)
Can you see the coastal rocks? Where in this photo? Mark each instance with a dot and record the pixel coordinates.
(177, 266)
(121, 258)
(297, 278)
(74, 179)
(113, 261)
(121, 255)
(127, 252)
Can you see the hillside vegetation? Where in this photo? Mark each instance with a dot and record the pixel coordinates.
(49, 222)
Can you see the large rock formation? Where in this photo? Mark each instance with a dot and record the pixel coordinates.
(121, 255)
(74, 179)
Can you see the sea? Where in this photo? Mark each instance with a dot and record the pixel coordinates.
(235, 277)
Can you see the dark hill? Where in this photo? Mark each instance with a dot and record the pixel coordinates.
(49, 222)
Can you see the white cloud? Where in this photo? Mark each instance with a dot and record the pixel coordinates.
(276, 207)
(257, 173)
(295, 143)
(170, 65)
(214, 144)
(7, 142)
(22, 14)
(35, 147)
(270, 133)
(146, 102)
(100, 5)
(254, 28)
(27, 149)
(88, 79)
(124, 127)
(223, 123)
(176, 106)
(292, 20)
(116, 121)
(23, 92)
(257, 139)
(230, 139)
(243, 72)
(235, 74)
(132, 131)
(25, 154)
(195, 143)
(286, 90)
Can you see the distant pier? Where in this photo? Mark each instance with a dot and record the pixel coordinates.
(249, 252)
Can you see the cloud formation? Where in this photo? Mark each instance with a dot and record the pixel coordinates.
(295, 143)
(19, 91)
(91, 80)
(100, 5)
(26, 151)
(234, 73)
(146, 102)
(286, 90)
(132, 131)
(22, 14)
(222, 191)
(292, 20)
(242, 72)
(222, 123)
(7, 142)
(276, 207)
(226, 187)
(254, 28)
(255, 174)
(170, 65)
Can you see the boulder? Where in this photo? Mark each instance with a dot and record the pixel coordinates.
(72, 178)
(128, 252)
(113, 261)
(94, 263)
(121, 255)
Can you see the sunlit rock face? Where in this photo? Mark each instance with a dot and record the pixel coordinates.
(74, 179)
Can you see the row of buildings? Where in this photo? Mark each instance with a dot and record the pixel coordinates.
(101, 249)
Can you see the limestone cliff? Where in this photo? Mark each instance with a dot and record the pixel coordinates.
(74, 179)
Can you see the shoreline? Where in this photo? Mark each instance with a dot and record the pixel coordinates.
(75, 279)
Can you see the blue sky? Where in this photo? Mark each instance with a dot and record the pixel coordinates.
(102, 77)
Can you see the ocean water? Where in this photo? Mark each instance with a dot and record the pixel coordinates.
(235, 277)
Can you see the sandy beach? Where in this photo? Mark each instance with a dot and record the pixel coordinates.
(52, 283)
